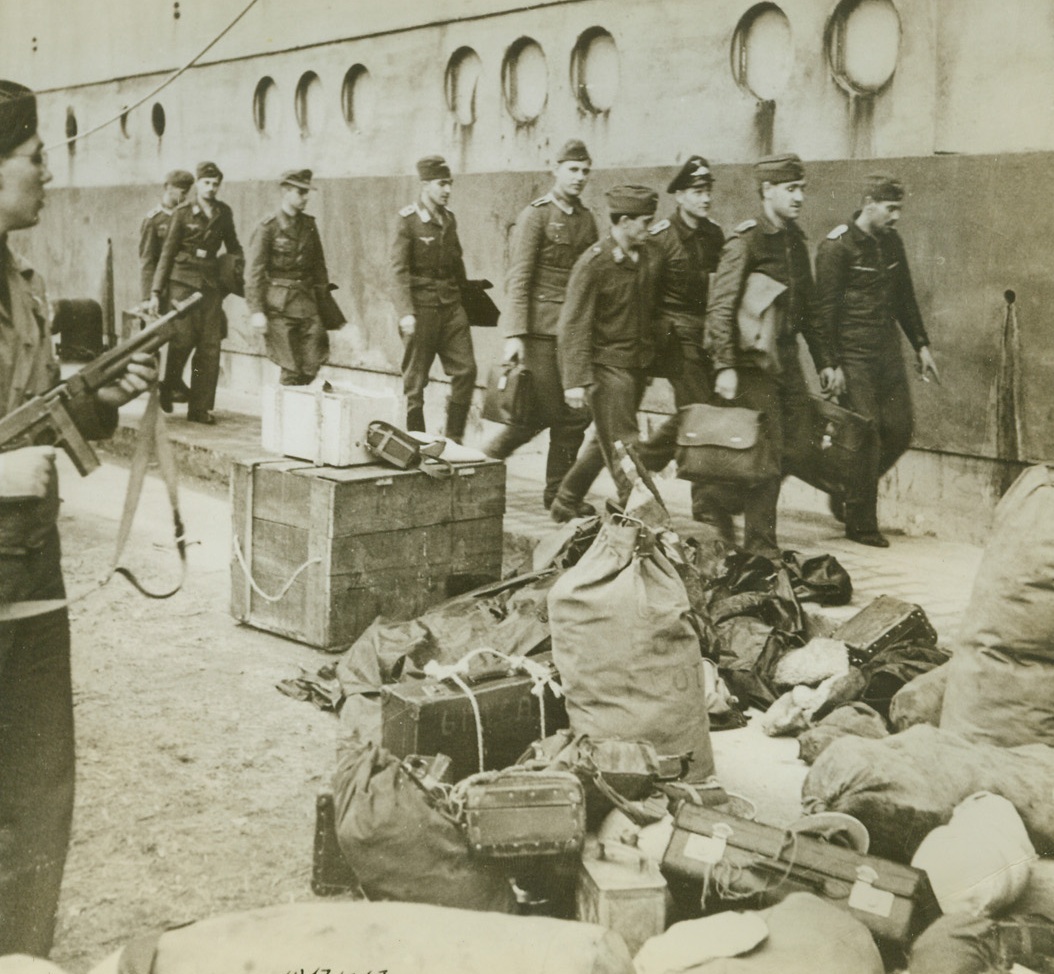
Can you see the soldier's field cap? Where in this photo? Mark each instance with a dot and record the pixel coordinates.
(432, 167)
(573, 150)
(18, 115)
(300, 178)
(179, 178)
(883, 187)
(632, 200)
(785, 168)
(695, 172)
(208, 170)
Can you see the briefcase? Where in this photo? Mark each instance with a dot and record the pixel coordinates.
(755, 865)
(429, 716)
(834, 444)
(725, 444)
(479, 309)
(328, 310)
(884, 622)
(508, 398)
(525, 813)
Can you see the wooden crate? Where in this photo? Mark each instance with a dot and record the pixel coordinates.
(380, 541)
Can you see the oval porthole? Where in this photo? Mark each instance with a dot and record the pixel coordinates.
(71, 123)
(763, 51)
(309, 103)
(157, 119)
(595, 70)
(863, 44)
(265, 105)
(356, 97)
(525, 80)
(462, 80)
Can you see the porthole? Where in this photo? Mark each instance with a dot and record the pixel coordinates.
(157, 119)
(462, 80)
(71, 123)
(357, 98)
(763, 52)
(595, 70)
(309, 103)
(863, 44)
(525, 80)
(265, 105)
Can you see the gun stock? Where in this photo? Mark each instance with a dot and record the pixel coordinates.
(46, 419)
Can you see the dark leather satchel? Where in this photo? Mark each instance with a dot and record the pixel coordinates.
(400, 449)
(509, 398)
(328, 309)
(725, 445)
(833, 446)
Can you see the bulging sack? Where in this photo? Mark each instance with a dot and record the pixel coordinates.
(627, 654)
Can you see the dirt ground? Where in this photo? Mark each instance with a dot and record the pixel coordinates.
(196, 779)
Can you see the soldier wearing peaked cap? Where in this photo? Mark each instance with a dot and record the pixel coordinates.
(863, 292)
(548, 238)
(189, 262)
(689, 244)
(766, 255)
(285, 268)
(36, 698)
(428, 273)
(607, 339)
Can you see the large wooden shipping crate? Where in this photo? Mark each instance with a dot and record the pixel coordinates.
(379, 541)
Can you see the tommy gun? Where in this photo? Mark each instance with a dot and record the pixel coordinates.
(46, 420)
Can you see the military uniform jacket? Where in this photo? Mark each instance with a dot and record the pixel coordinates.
(152, 236)
(190, 251)
(864, 281)
(285, 264)
(549, 236)
(609, 315)
(28, 368)
(689, 256)
(760, 246)
(427, 265)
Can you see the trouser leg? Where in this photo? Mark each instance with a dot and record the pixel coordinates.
(583, 473)
(183, 341)
(313, 351)
(459, 363)
(761, 391)
(419, 351)
(205, 364)
(615, 399)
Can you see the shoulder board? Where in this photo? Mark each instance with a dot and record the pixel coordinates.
(308, 216)
(542, 200)
(838, 231)
(745, 226)
(659, 227)
(270, 219)
(407, 210)
(594, 250)
(154, 212)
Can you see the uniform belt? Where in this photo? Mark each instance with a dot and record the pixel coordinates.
(289, 282)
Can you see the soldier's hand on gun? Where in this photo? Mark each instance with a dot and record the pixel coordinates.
(927, 366)
(513, 351)
(153, 306)
(258, 320)
(26, 474)
(832, 382)
(576, 397)
(727, 384)
(407, 324)
(139, 376)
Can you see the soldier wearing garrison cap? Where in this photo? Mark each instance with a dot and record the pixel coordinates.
(284, 272)
(36, 697)
(154, 229)
(607, 340)
(428, 273)
(765, 271)
(201, 226)
(863, 292)
(549, 236)
(689, 244)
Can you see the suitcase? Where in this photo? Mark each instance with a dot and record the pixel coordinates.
(79, 325)
(431, 717)
(725, 445)
(760, 865)
(619, 888)
(885, 622)
(834, 442)
(508, 397)
(525, 813)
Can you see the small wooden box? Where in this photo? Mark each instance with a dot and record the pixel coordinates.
(620, 889)
(376, 541)
(324, 425)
